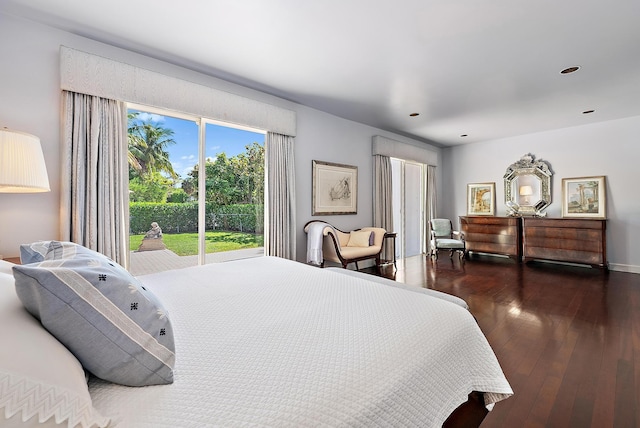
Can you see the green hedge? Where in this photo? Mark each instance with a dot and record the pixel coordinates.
(179, 218)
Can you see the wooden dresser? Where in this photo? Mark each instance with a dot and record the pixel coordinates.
(494, 235)
(565, 240)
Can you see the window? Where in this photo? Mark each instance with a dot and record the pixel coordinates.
(204, 218)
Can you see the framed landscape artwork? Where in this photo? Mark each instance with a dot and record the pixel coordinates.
(481, 199)
(584, 197)
(335, 188)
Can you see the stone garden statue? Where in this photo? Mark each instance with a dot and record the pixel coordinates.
(152, 239)
(155, 231)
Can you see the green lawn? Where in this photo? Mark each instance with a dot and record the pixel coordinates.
(186, 244)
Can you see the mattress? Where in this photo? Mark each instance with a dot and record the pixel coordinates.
(271, 342)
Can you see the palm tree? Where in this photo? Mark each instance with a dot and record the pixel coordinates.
(147, 147)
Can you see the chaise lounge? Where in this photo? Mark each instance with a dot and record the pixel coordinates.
(346, 247)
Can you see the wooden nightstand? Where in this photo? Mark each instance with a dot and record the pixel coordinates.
(14, 260)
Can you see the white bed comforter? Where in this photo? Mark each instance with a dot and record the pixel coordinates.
(270, 342)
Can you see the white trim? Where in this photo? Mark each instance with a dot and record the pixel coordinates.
(618, 267)
(233, 126)
(163, 112)
(202, 194)
(94, 75)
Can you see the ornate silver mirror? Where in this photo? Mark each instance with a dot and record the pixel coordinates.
(527, 187)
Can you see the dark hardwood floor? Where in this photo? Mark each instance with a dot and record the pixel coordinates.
(567, 338)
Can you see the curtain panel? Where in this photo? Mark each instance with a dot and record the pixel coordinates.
(382, 199)
(94, 174)
(280, 239)
(430, 201)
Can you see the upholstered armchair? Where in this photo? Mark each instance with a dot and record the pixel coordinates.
(344, 247)
(443, 237)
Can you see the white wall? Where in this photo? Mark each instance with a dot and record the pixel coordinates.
(607, 148)
(337, 140)
(30, 95)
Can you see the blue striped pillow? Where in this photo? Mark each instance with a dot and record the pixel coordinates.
(116, 328)
(34, 252)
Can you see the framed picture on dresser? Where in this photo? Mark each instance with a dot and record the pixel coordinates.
(584, 197)
(481, 199)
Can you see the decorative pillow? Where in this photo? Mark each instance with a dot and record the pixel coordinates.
(359, 238)
(34, 252)
(116, 328)
(40, 251)
(59, 250)
(41, 383)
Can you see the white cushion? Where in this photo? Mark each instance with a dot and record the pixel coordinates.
(356, 252)
(359, 238)
(6, 267)
(41, 383)
(446, 243)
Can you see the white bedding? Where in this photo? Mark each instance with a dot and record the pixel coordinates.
(270, 342)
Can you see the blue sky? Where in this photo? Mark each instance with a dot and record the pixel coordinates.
(184, 154)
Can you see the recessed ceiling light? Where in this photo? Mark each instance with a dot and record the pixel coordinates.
(588, 111)
(414, 114)
(569, 70)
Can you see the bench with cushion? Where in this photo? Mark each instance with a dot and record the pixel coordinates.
(350, 247)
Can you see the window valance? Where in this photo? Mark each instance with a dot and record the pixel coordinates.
(94, 75)
(396, 149)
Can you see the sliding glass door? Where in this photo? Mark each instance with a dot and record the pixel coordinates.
(408, 203)
(180, 217)
(234, 198)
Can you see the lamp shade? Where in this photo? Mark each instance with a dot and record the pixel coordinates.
(22, 167)
(526, 191)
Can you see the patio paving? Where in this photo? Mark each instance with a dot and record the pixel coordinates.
(145, 262)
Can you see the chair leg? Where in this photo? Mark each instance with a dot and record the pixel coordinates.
(357, 268)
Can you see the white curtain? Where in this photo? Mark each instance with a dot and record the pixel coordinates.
(94, 173)
(281, 197)
(382, 202)
(430, 200)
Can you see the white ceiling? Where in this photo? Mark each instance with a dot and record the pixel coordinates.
(488, 69)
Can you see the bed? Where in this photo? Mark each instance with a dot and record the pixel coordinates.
(272, 342)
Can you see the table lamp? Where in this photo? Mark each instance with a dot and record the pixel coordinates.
(22, 167)
(526, 191)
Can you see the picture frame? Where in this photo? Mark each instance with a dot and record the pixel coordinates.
(481, 199)
(584, 197)
(335, 188)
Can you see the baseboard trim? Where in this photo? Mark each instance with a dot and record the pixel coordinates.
(618, 267)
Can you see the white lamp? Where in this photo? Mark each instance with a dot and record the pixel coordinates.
(22, 167)
(526, 191)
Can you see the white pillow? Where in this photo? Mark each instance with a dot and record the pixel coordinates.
(41, 382)
(6, 267)
(359, 238)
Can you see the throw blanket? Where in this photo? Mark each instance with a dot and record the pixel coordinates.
(314, 242)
